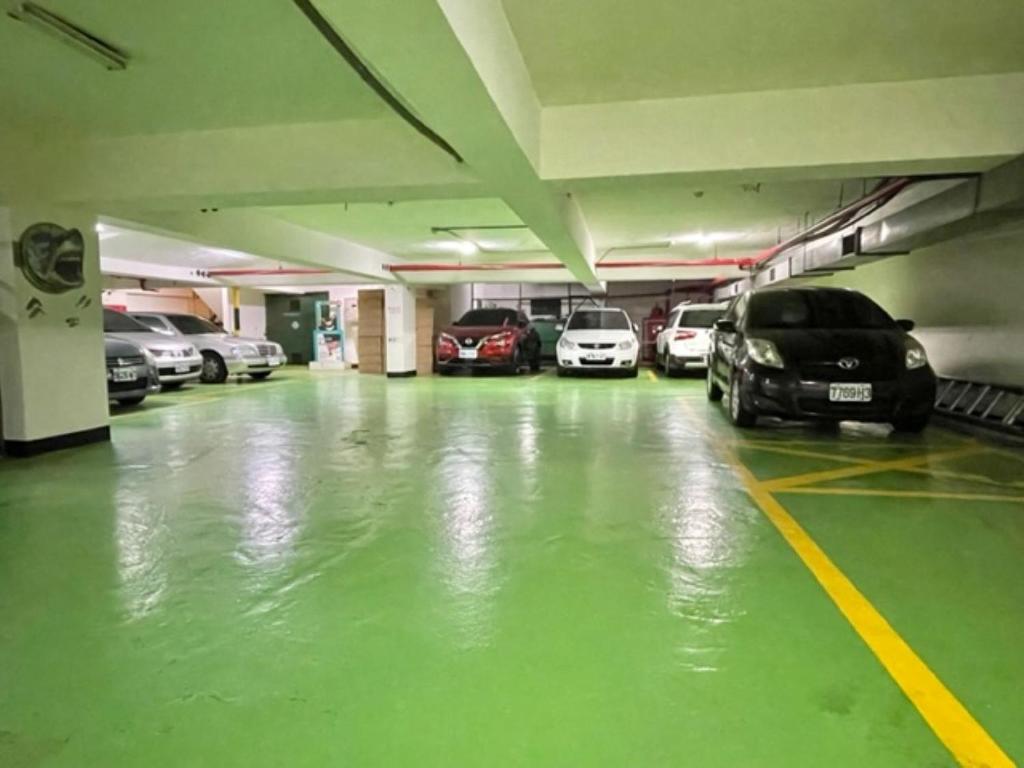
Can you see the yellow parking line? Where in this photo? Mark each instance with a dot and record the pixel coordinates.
(905, 494)
(824, 475)
(955, 727)
(804, 454)
(964, 737)
(651, 375)
(847, 459)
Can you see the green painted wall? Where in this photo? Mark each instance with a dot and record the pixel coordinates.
(967, 297)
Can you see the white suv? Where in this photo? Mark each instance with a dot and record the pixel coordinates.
(685, 339)
(598, 338)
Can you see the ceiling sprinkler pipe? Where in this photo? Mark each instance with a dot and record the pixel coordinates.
(838, 220)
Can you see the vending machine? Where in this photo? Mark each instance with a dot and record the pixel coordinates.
(329, 336)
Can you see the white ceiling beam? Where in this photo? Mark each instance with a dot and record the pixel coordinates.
(922, 126)
(342, 161)
(266, 237)
(457, 65)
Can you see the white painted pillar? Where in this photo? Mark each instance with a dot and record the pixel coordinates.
(400, 330)
(53, 387)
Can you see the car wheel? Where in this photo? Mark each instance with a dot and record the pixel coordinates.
(131, 400)
(738, 413)
(535, 362)
(171, 386)
(261, 375)
(214, 370)
(714, 391)
(912, 424)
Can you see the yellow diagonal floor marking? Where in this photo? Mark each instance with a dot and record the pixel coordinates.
(969, 743)
(841, 473)
(904, 494)
(955, 727)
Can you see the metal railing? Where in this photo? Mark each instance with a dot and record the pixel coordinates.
(991, 405)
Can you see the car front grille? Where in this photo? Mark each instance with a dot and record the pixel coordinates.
(831, 371)
(266, 349)
(604, 361)
(123, 362)
(597, 346)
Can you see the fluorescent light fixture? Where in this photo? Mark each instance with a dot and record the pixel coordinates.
(703, 239)
(226, 253)
(463, 247)
(84, 42)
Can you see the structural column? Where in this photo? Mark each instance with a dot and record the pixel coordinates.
(400, 329)
(53, 390)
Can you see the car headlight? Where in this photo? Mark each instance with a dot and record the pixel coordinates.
(237, 352)
(763, 352)
(627, 344)
(564, 343)
(916, 357)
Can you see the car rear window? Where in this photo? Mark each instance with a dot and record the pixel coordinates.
(489, 317)
(700, 318)
(815, 309)
(598, 321)
(118, 322)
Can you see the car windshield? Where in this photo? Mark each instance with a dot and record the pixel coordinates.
(190, 325)
(700, 318)
(488, 317)
(118, 322)
(598, 321)
(816, 309)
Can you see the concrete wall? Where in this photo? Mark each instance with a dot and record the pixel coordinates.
(967, 298)
(252, 314)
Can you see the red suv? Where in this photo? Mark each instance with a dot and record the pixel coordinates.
(495, 339)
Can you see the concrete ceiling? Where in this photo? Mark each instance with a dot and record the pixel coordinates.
(404, 228)
(195, 65)
(598, 125)
(587, 51)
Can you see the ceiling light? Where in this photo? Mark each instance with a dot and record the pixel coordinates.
(84, 42)
(703, 239)
(463, 247)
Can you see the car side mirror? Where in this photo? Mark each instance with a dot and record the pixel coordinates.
(725, 326)
(906, 325)
(560, 327)
(636, 328)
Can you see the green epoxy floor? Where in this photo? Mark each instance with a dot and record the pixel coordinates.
(343, 570)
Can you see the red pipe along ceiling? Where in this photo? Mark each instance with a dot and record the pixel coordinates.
(742, 261)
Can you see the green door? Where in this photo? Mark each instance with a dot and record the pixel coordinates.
(291, 320)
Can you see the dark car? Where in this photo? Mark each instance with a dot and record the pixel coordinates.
(131, 374)
(549, 328)
(819, 353)
(496, 339)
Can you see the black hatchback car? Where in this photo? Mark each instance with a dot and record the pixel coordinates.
(819, 353)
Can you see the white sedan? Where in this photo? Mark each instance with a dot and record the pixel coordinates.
(684, 342)
(598, 339)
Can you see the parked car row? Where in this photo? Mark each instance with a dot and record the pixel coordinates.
(808, 353)
(592, 339)
(147, 352)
